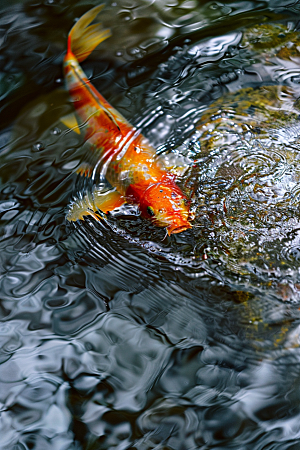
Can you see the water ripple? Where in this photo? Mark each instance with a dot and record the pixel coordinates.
(114, 335)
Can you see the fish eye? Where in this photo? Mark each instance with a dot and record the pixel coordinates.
(150, 211)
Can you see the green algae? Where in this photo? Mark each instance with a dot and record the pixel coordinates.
(274, 39)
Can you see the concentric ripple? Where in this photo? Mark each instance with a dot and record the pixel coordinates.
(241, 170)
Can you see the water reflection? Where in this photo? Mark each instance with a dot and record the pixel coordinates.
(112, 336)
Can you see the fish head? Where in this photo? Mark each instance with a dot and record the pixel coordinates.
(166, 206)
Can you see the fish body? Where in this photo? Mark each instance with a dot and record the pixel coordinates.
(123, 154)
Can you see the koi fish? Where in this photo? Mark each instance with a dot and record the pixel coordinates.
(122, 154)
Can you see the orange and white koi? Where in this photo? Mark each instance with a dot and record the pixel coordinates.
(123, 154)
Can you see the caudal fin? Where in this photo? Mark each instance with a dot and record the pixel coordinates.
(83, 37)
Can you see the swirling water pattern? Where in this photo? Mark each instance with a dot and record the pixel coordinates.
(113, 335)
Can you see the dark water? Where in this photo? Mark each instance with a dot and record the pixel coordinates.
(112, 335)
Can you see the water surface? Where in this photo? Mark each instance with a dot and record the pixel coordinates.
(114, 335)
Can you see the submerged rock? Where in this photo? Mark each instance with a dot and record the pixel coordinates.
(245, 186)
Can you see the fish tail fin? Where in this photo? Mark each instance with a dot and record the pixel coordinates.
(83, 37)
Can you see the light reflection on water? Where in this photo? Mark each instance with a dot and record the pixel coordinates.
(112, 335)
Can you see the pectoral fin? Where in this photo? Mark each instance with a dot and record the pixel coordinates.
(81, 207)
(90, 203)
(108, 201)
(70, 121)
(85, 170)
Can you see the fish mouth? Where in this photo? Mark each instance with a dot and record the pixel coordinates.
(178, 228)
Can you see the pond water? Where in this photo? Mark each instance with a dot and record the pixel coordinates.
(114, 335)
